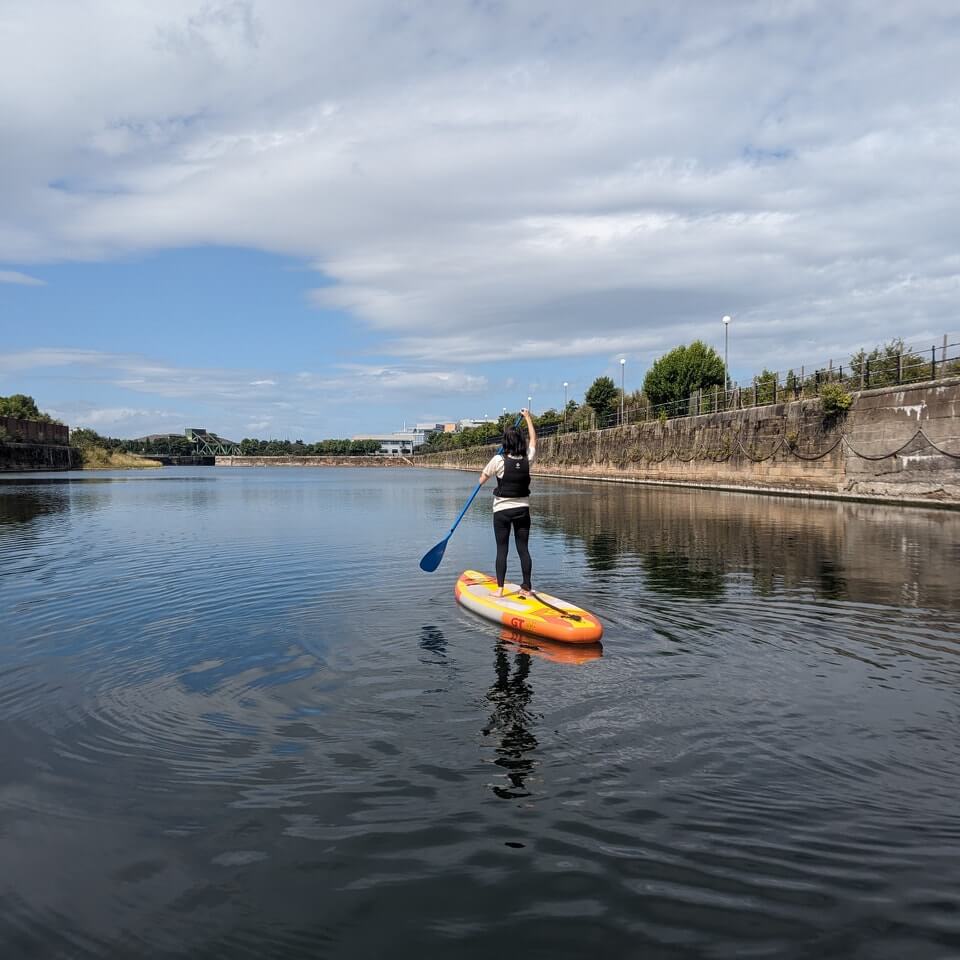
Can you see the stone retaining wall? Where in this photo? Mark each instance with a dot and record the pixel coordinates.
(20, 457)
(894, 443)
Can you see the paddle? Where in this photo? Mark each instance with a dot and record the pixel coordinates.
(560, 610)
(431, 559)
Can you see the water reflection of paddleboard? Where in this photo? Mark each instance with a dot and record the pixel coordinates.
(552, 650)
(540, 614)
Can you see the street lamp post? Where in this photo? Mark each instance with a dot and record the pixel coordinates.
(565, 385)
(623, 364)
(529, 405)
(726, 344)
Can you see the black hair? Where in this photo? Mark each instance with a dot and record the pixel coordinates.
(514, 442)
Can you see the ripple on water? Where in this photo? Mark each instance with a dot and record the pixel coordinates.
(240, 702)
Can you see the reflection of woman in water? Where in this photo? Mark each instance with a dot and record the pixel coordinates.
(512, 719)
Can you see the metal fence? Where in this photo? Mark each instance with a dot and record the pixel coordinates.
(880, 368)
(863, 372)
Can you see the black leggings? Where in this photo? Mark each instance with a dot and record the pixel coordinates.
(519, 519)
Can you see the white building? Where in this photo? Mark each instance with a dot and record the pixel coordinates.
(445, 427)
(404, 442)
(396, 444)
(471, 422)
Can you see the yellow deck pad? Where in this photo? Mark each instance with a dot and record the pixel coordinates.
(539, 615)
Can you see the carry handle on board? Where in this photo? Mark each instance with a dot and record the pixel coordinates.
(431, 559)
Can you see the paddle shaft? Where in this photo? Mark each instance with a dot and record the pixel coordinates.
(466, 508)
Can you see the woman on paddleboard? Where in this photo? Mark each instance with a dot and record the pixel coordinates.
(511, 499)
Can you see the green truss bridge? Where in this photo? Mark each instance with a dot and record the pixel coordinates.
(197, 447)
(210, 445)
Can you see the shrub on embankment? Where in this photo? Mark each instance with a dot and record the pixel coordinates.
(95, 455)
(97, 458)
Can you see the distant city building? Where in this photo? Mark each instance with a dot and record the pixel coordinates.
(396, 444)
(445, 427)
(404, 442)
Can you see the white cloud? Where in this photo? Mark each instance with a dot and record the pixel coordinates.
(550, 177)
(46, 357)
(23, 279)
(315, 400)
(363, 378)
(120, 417)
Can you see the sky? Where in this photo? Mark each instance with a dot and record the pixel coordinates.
(299, 220)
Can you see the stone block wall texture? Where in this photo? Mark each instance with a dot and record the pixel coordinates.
(899, 443)
(35, 445)
(21, 457)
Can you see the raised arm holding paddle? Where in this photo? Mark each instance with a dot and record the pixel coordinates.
(511, 498)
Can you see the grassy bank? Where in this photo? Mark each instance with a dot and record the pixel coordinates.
(96, 458)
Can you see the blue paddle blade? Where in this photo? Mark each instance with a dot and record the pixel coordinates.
(431, 559)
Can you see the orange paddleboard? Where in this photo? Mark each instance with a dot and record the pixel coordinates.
(539, 615)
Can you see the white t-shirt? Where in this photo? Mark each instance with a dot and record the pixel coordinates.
(495, 469)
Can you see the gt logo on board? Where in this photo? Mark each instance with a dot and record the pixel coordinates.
(516, 623)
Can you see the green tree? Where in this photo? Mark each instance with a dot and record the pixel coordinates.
(84, 437)
(683, 370)
(602, 396)
(766, 387)
(179, 446)
(549, 418)
(359, 448)
(889, 363)
(638, 405)
(22, 407)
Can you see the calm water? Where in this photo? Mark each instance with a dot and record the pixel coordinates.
(238, 721)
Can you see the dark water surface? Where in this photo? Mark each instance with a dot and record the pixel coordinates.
(238, 721)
